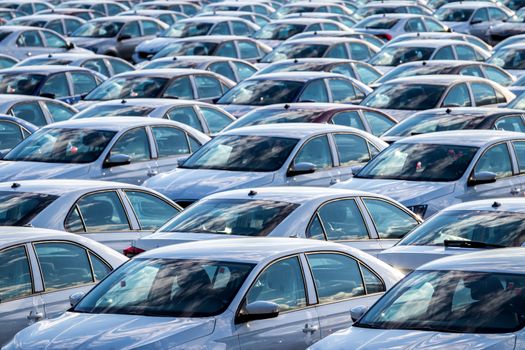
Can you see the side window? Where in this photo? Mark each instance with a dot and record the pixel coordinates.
(519, 149)
(497, 14)
(15, 275)
(55, 26)
(351, 149)
(389, 220)
(56, 86)
(359, 52)
(351, 119)
(248, 50)
(30, 112)
(343, 68)
(445, 53)
(342, 220)
(216, 120)
(101, 212)
(58, 112)
(170, 141)
(342, 90)
(458, 96)
(150, 28)
(244, 71)
(313, 28)
(97, 65)
(337, 51)
(100, 268)
(226, 49)
(152, 212)
(433, 26)
(113, 9)
(336, 276)
(315, 229)
(373, 284)
(366, 74)
(83, 82)
(497, 75)
(316, 151)
(71, 25)
(30, 38)
(119, 66)
(281, 283)
(465, 53)
(496, 160)
(63, 265)
(483, 94)
(180, 88)
(314, 92)
(472, 71)
(511, 123)
(132, 29)
(185, 115)
(224, 69)
(221, 28)
(378, 122)
(240, 28)
(414, 25)
(480, 16)
(207, 86)
(10, 136)
(54, 41)
(133, 143)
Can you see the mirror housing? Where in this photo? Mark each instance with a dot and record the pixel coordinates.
(116, 160)
(300, 169)
(484, 177)
(181, 160)
(356, 169)
(75, 298)
(357, 312)
(70, 46)
(124, 37)
(258, 310)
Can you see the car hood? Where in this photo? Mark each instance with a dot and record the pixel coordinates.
(237, 110)
(154, 45)
(90, 42)
(10, 170)
(371, 339)
(105, 331)
(399, 114)
(162, 239)
(193, 184)
(507, 29)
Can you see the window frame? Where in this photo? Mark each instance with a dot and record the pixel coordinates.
(125, 192)
(31, 272)
(157, 146)
(333, 152)
(152, 154)
(512, 156)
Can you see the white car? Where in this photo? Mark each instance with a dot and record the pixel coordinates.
(253, 293)
(472, 301)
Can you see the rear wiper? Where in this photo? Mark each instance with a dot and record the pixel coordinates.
(470, 244)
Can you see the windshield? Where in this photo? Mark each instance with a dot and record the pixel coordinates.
(243, 217)
(405, 96)
(184, 30)
(275, 116)
(111, 111)
(286, 51)
(242, 153)
(393, 56)
(19, 83)
(98, 29)
(451, 301)
(278, 31)
(454, 14)
(419, 162)
(377, 23)
(56, 145)
(494, 228)
(426, 123)
(262, 92)
(157, 64)
(187, 49)
(409, 71)
(19, 208)
(167, 287)
(509, 58)
(128, 87)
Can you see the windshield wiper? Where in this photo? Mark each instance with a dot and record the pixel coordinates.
(470, 244)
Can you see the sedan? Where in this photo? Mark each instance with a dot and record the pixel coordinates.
(28, 7)
(116, 149)
(61, 24)
(269, 155)
(189, 8)
(511, 58)
(391, 25)
(208, 25)
(514, 25)
(40, 269)
(233, 294)
(13, 131)
(104, 7)
(443, 36)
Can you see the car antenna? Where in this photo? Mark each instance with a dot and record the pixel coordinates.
(286, 106)
(50, 56)
(295, 60)
(174, 58)
(424, 63)
(252, 193)
(15, 185)
(496, 204)
(448, 110)
(123, 101)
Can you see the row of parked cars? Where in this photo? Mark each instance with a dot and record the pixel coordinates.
(255, 174)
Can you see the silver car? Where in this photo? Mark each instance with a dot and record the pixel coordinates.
(441, 36)
(61, 24)
(115, 149)
(40, 269)
(252, 293)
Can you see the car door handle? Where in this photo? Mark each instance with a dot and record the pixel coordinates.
(333, 181)
(153, 172)
(35, 316)
(515, 191)
(310, 328)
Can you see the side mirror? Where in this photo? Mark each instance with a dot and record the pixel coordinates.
(357, 312)
(47, 94)
(356, 169)
(300, 169)
(258, 310)
(475, 21)
(124, 37)
(181, 160)
(116, 160)
(70, 46)
(75, 298)
(484, 177)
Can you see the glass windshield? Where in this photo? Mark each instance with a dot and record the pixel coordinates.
(128, 87)
(184, 30)
(393, 56)
(111, 111)
(497, 229)
(275, 116)
(288, 51)
(242, 153)
(454, 14)
(451, 301)
(278, 31)
(419, 162)
(405, 96)
(102, 29)
(377, 23)
(425, 123)
(167, 287)
(262, 92)
(243, 217)
(409, 71)
(157, 64)
(17, 209)
(187, 49)
(509, 59)
(20, 83)
(56, 145)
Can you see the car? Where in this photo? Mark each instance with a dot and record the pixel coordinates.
(381, 7)
(391, 25)
(209, 45)
(255, 18)
(510, 58)
(394, 55)
(85, 14)
(28, 7)
(514, 25)
(447, 119)
(326, 47)
(13, 130)
(518, 102)
(118, 35)
(227, 294)
(473, 17)
(209, 25)
(7, 14)
(307, 7)
(362, 118)
(166, 16)
(298, 154)
(402, 97)
(189, 8)
(466, 300)
(113, 149)
(515, 39)
(259, 7)
(39, 270)
(169, 83)
(344, 19)
(460, 229)
(459, 67)
(313, 212)
(359, 70)
(430, 172)
(232, 68)
(7, 61)
(514, 5)
(204, 117)
(371, 39)
(108, 66)
(105, 7)
(61, 24)
(443, 36)
(274, 88)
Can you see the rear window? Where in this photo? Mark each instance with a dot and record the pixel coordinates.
(4, 35)
(377, 23)
(19, 208)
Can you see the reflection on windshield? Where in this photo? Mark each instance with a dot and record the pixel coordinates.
(409, 71)
(426, 123)
(107, 111)
(405, 96)
(128, 87)
(262, 92)
(377, 23)
(17, 209)
(187, 49)
(184, 30)
(102, 29)
(454, 14)
(273, 116)
(288, 51)
(23, 84)
(393, 56)
(278, 31)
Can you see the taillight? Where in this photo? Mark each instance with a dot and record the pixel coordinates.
(131, 251)
(386, 36)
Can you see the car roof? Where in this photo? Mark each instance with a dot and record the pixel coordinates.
(14, 98)
(46, 16)
(112, 123)
(436, 79)
(391, 3)
(59, 187)
(476, 138)
(444, 63)
(17, 28)
(312, 106)
(517, 46)
(396, 15)
(124, 19)
(149, 102)
(210, 19)
(212, 38)
(472, 111)
(197, 59)
(71, 55)
(428, 43)
(516, 205)
(290, 130)
(326, 40)
(295, 76)
(43, 69)
(10, 235)
(469, 4)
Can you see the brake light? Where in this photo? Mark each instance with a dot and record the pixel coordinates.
(131, 251)
(386, 36)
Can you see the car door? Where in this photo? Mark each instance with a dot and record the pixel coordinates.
(29, 43)
(83, 83)
(57, 87)
(297, 325)
(172, 144)
(479, 23)
(129, 37)
(352, 150)
(518, 189)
